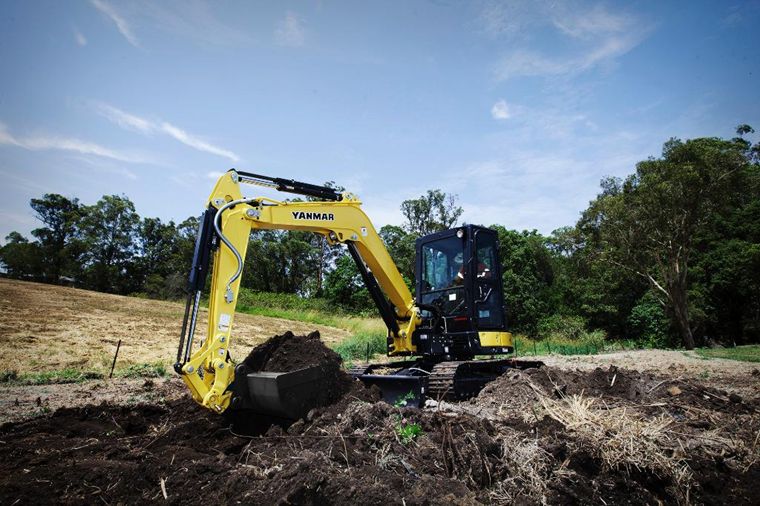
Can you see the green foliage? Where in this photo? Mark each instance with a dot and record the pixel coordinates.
(20, 258)
(401, 247)
(562, 327)
(684, 228)
(355, 348)
(649, 222)
(402, 401)
(406, 431)
(68, 375)
(528, 276)
(432, 212)
(744, 353)
(154, 370)
(251, 300)
(648, 322)
(345, 288)
(59, 247)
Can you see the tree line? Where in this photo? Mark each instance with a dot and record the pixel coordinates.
(669, 255)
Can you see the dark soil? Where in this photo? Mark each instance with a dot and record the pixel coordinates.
(353, 451)
(288, 352)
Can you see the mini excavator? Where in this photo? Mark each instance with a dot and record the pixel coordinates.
(456, 315)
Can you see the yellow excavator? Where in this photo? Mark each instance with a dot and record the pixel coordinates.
(456, 315)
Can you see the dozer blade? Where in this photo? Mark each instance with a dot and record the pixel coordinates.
(286, 395)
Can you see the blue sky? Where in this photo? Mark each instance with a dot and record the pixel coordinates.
(519, 107)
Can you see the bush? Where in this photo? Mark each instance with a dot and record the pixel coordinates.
(355, 347)
(648, 323)
(561, 327)
(248, 298)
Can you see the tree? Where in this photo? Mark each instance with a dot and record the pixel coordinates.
(528, 276)
(401, 247)
(648, 222)
(108, 231)
(20, 258)
(158, 245)
(432, 212)
(60, 217)
(344, 286)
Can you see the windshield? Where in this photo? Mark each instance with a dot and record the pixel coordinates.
(442, 265)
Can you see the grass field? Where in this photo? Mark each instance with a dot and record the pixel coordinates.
(51, 333)
(750, 353)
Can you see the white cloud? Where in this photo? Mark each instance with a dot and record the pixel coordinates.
(214, 174)
(593, 36)
(121, 23)
(499, 18)
(501, 110)
(527, 63)
(44, 143)
(124, 119)
(80, 38)
(290, 31)
(197, 143)
(132, 122)
(597, 21)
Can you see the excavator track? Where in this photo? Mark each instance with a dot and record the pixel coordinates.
(441, 381)
(464, 379)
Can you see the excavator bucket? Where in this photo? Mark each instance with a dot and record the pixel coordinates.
(282, 395)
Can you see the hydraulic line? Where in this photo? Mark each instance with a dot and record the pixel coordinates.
(228, 296)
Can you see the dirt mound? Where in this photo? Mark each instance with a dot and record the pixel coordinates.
(548, 446)
(615, 386)
(288, 352)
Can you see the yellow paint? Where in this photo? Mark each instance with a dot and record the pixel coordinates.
(496, 339)
(348, 223)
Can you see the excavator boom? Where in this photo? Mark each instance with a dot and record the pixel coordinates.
(223, 237)
(457, 312)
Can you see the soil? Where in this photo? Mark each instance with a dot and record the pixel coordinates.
(506, 446)
(288, 352)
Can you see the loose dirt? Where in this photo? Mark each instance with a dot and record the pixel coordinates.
(609, 435)
(288, 352)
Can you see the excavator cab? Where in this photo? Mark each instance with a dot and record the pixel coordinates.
(460, 295)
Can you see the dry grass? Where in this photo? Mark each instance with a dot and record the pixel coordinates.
(530, 467)
(624, 439)
(48, 328)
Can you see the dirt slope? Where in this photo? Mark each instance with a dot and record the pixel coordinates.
(45, 327)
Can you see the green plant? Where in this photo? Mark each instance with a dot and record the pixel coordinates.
(154, 370)
(407, 432)
(402, 401)
(68, 375)
(648, 322)
(559, 326)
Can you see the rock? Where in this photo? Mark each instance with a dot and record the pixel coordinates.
(673, 391)
(430, 403)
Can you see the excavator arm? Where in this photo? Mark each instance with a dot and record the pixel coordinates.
(222, 242)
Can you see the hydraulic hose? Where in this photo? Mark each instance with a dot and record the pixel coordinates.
(218, 227)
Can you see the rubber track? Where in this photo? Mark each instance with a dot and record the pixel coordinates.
(441, 381)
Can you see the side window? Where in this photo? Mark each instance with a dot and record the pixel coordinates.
(488, 299)
(435, 266)
(486, 257)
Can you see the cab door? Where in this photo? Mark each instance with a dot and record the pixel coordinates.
(487, 293)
